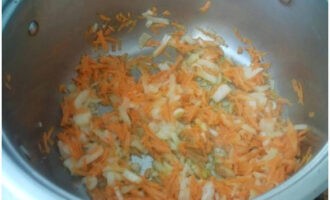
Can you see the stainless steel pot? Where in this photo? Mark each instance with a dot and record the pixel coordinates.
(294, 34)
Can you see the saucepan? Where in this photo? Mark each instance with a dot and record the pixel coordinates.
(44, 40)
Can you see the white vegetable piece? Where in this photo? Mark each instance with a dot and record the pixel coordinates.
(300, 127)
(213, 132)
(162, 45)
(178, 112)
(188, 39)
(248, 128)
(184, 193)
(82, 119)
(81, 99)
(118, 193)
(131, 176)
(267, 125)
(111, 177)
(163, 66)
(64, 149)
(148, 15)
(206, 76)
(90, 182)
(208, 191)
(259, 97)
(70, 163)
(96, 150)
(250, 73)
(222, 91)
(271, 153)
(207, 63)
(143, 39)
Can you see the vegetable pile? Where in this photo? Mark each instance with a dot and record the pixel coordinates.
(186, 125)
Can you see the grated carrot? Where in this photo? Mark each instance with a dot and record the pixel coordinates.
(297, 87)
(46, 143)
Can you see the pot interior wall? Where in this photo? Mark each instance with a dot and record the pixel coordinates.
(294, 35)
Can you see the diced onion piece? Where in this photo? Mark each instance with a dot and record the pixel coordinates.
(70, 163)
(131, 176)
(96, 150)
(267, 124)
(213, 132)
(207, 63)
(118, 193)
(162, 45)
(206, 76)
(111, 177)
(82, 119)
(222, 91)
(184, 192)
(178, 112)
(192, 58)
(202, 125)
(81, 99)
(143, 39)
(248, 128)
(90, 182)
(171, 94)
(163, 66)
(262, 88)
(250, 73)
(300, 127)
(64, 149)
(188, 39)
(208, 191)
(260, 97)
(152, 19)
(271, 153)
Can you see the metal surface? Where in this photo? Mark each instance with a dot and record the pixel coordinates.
(296, 46)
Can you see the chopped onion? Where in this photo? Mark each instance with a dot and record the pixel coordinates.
(206, 76)
(184, 192)
(70, 163)
(260, 97)
(248, 128)
(188, 39)
(162, 45)
(96, 152)
(222, 91)
(81, 99)
(143, 39)
(163, 66)
(178, 112)
(148, 15)
(207, 63)
(271, 153)
(262, 88)
(82, 119)
(111, 177)
(118, 193)
(208, 191)
(250, 73)
(267, 125)
(131, 176)
(64, 149)
(300, 127)
(213, 132)
(90, 182)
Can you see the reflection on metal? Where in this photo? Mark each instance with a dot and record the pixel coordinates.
(33, 28)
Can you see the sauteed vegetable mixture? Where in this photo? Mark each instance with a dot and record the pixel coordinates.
(180, 122)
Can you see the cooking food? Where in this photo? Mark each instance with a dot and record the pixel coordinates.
(183, 121)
